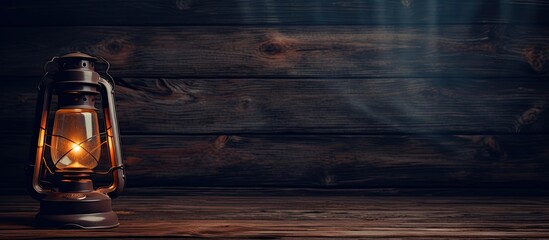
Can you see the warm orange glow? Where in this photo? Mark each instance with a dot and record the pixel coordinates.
(75, 142)
(41, 136)
(76, 148)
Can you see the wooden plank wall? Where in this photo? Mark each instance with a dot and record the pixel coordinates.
(342, 93)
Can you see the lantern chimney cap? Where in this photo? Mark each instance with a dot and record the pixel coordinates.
(80, 55)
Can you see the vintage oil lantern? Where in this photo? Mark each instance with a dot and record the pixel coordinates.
(74, 143)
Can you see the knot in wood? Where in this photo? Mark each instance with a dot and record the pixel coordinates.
(530, 116)
(183, 4)
(537, 57)
(406, 3)
(116, 49)
(491, 149)
(221, 141)
(116, 45)
(328, 179)
(273, 48)
(244, 103)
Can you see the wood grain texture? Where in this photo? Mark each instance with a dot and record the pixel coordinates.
(463, 51)
(436, 161)
(327, 94)
(280, 12)
(379, 105)
(290, 217)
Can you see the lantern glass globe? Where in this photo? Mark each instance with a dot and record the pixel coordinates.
(75, 142)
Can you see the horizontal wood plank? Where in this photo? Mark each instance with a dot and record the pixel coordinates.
(294, 51)
(354, 106)
(320, 161)
(251, 12)
(296, 216)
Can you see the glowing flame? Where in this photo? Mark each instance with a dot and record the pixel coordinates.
(76, 147)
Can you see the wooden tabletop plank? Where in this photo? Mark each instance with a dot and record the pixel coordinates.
(280, 12)
(295, 216)
(455, 51)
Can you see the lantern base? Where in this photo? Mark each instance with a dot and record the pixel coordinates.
(88, 210)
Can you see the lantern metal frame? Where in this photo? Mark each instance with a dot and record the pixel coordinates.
(75, 203)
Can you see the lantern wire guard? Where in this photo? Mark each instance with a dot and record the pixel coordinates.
(65, 156)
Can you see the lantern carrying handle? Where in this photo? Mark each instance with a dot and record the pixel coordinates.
(46, 72)
(110, 78)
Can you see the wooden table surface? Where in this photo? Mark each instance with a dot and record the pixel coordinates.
(264, 215)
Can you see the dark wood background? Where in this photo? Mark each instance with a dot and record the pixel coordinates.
(339, 94)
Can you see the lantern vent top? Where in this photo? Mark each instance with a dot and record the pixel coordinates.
(79, 55)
